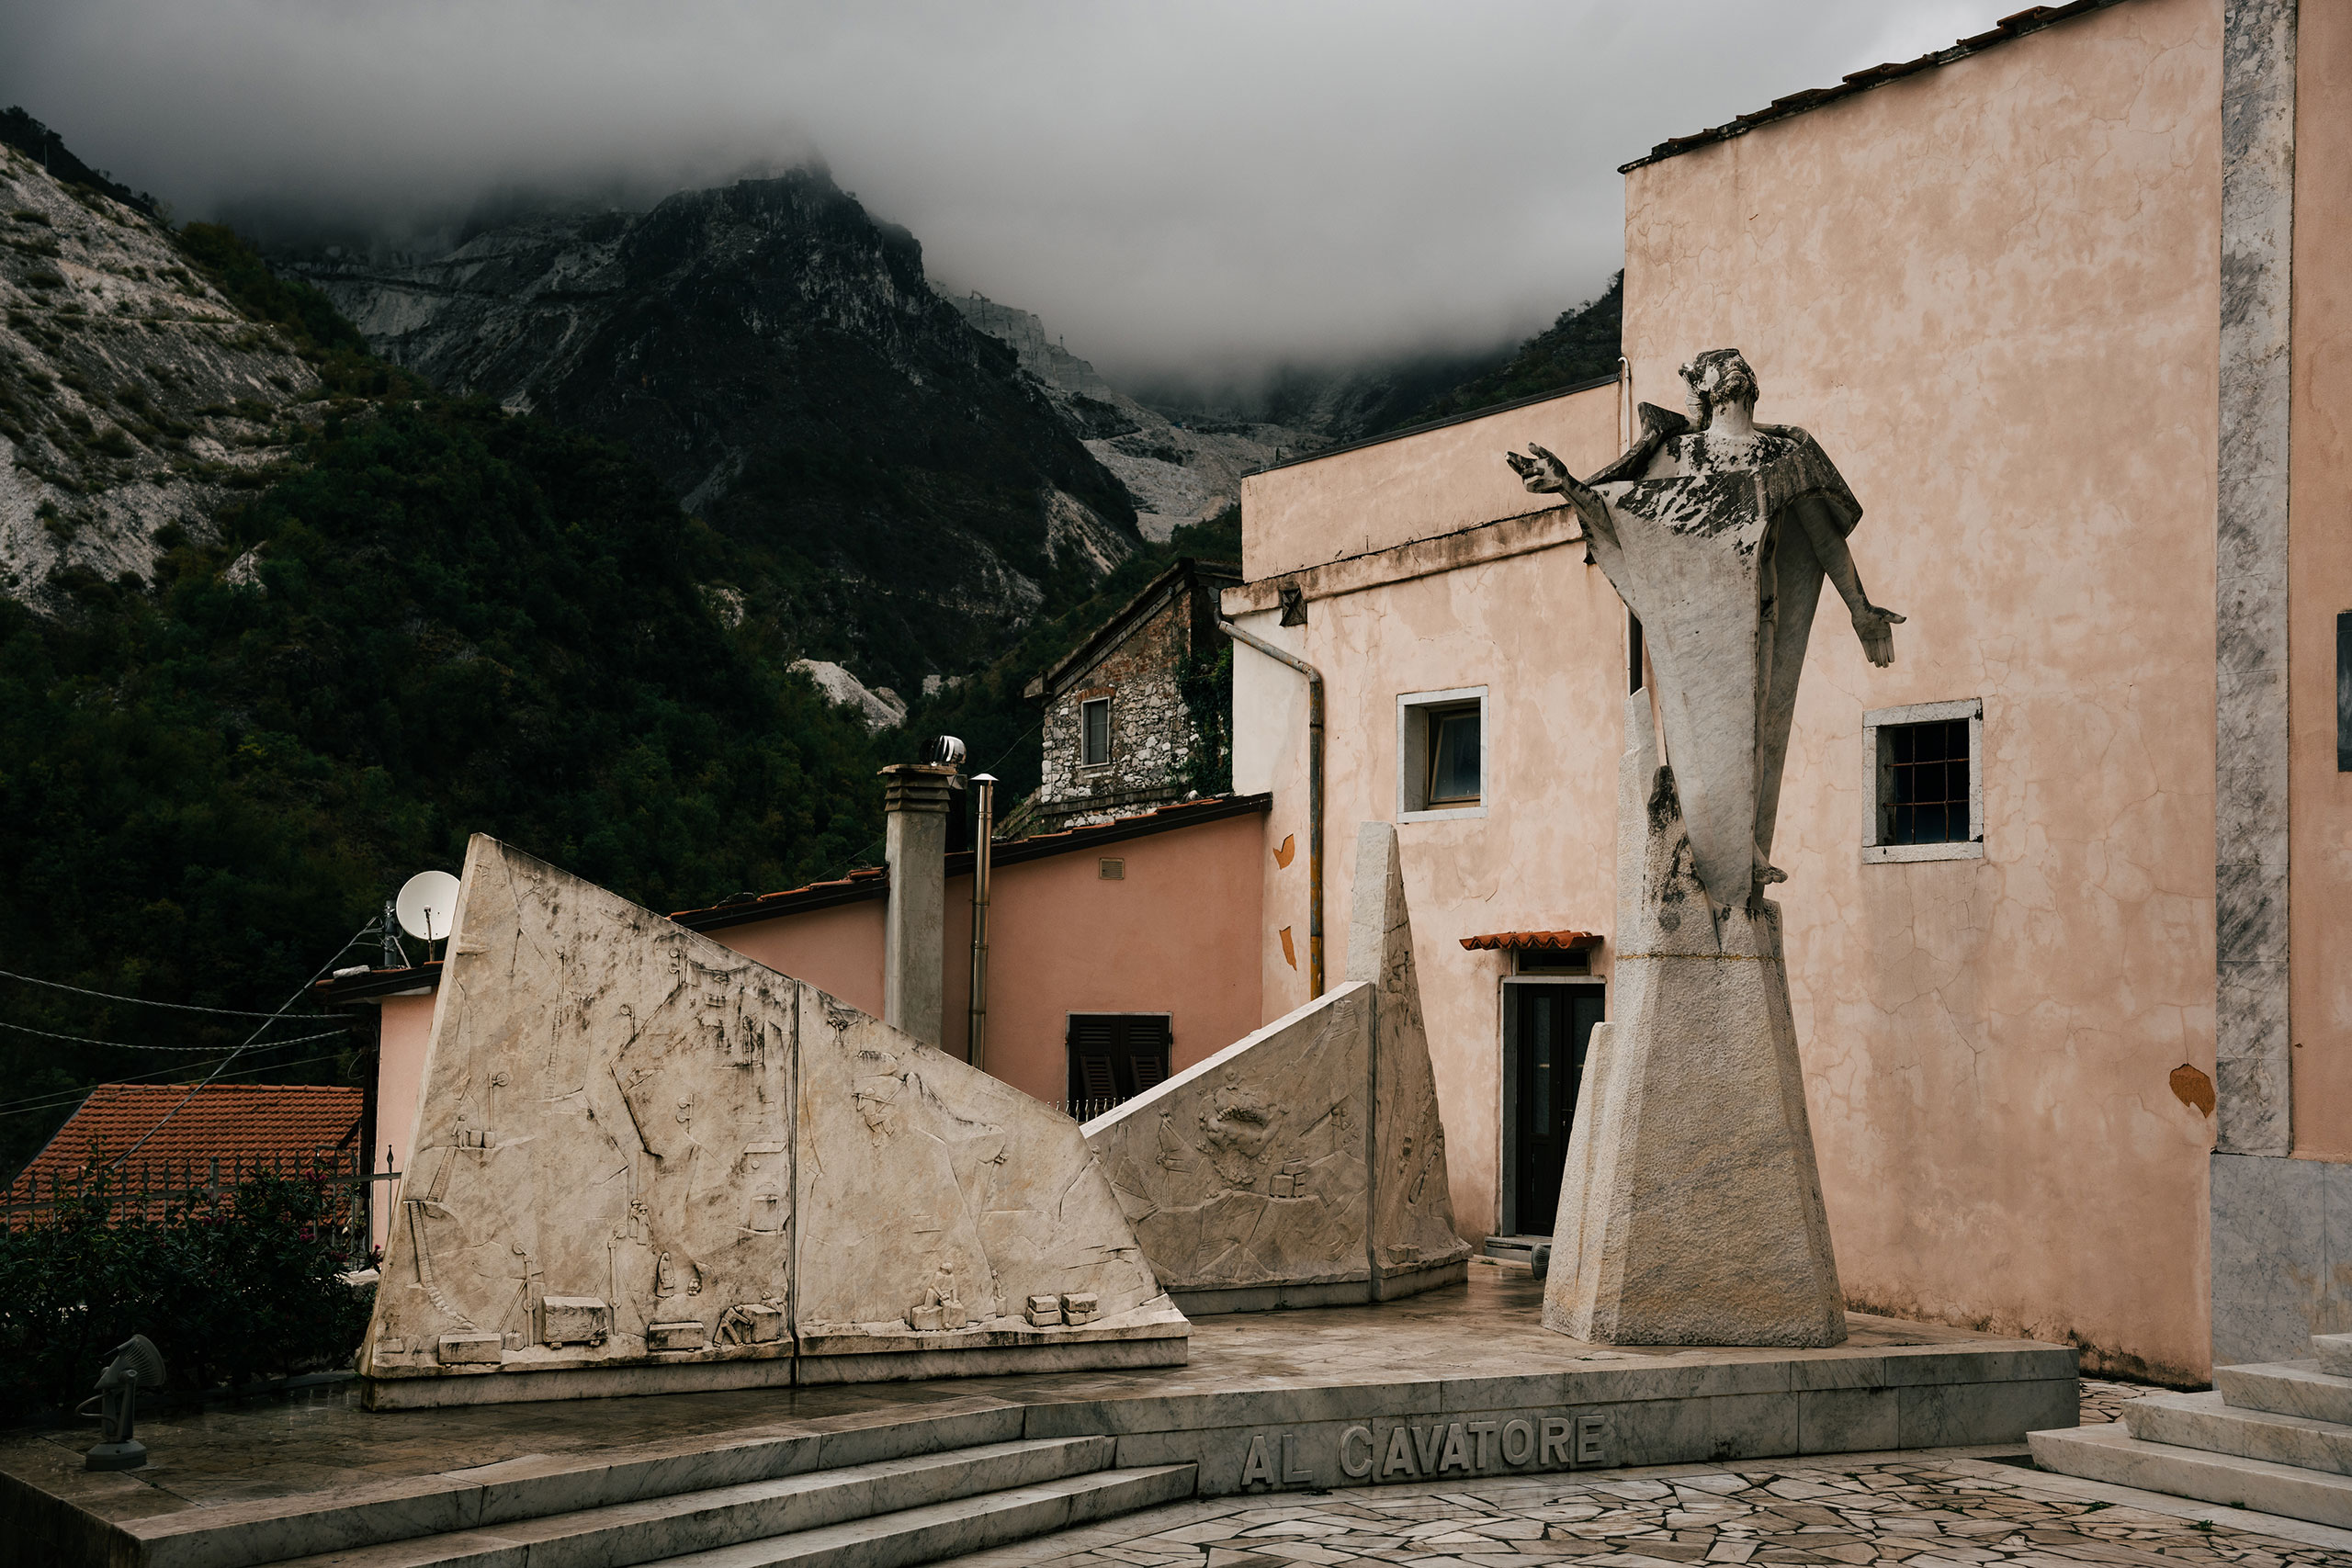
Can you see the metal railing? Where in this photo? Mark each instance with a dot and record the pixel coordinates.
(1088, 1110)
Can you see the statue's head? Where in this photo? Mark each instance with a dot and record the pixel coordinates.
(1718, 376)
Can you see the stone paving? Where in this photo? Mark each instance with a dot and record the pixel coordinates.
(1940, 1513)
(2103, 1400)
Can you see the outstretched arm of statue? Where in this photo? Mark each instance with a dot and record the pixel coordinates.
(1544, 474)
(1874, 626)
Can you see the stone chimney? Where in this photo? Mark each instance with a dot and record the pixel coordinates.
(914, 946)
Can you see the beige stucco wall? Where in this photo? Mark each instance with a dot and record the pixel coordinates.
(1545, 633)
(1392, 492)
(2319, 586)
(1990, 290)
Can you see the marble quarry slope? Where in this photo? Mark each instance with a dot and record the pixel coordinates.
(638, 1151)
(135, 398)
(1305, 1163)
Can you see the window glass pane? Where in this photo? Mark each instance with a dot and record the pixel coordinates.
(1095, 745)
(1453, 756)
(1927, 783)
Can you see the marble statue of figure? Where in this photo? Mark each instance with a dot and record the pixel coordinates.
(1718, 531)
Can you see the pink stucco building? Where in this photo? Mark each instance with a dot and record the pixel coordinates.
(2055, 313)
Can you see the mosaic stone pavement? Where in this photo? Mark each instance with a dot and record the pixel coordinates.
(2103, 1400)
(1943, 1512)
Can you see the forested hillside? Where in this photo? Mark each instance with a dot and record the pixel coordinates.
(402, 619)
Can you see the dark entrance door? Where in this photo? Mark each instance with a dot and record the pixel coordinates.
(1550, 1028)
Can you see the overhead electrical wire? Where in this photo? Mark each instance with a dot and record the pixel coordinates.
(50, 1098)
(193, 1049)
(144, 1002)
(299, 992)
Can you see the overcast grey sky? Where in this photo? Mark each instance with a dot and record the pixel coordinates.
(1199, 186)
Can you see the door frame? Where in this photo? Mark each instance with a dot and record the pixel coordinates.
(1508, 1220)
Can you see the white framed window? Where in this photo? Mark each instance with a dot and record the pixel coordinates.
(1094, 733)
(1926, 786)
(1441, 754)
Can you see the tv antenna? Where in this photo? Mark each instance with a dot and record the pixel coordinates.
(426, 906)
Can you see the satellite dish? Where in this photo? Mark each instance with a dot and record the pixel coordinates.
(428, 903)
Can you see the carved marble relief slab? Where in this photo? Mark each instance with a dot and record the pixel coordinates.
(1249, 1169)
(1412, 1217)
(1309, 1155)
(926, 1185)
(625, 1125)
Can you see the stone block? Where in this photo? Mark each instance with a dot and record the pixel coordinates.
(673, 1336)
(2207, 1421)
(2111, 1453)
(469, 1349)
(1081, 1306)
(574, 1320)
(752, 1323)
(1043, 1310)
(2287, 1388)
(1310, 1154)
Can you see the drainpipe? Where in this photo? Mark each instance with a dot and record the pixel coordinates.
(1314, 793)
(982, 848)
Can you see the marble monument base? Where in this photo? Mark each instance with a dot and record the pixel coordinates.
(1394, 1284)
(1152, 1335)
(1456, 1385)
(1690, 1208)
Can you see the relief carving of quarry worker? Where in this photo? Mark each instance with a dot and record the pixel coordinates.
(1718, 531)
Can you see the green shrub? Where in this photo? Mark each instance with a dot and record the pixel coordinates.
(231, 1290)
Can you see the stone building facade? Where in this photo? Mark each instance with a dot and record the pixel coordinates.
(1118, 734)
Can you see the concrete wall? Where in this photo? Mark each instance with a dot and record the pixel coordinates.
(1545, 633)
(1176, 934)
(1990, 291)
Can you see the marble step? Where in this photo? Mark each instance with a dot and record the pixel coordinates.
(2205, 1421)
(2111, 1453)
(2287, 1388)
(952, 1530)
(657, 1528)
(2334, 1353)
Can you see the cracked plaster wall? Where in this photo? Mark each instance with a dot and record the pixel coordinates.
(1989, 289)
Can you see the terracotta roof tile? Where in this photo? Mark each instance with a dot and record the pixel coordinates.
(1520, 942)
(238, 1124)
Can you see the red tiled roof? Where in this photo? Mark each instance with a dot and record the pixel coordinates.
(1520, 942)
(239, 1125)
(2033, 18)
